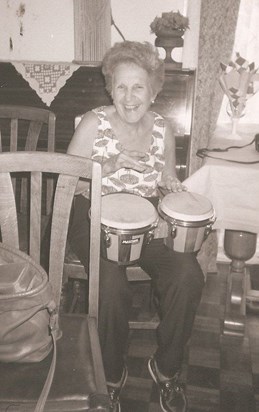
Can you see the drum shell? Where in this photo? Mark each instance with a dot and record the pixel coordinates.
(125, 246)
(186, 236)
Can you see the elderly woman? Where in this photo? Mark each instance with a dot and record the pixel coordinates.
(129, 138)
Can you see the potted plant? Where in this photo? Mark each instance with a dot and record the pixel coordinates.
(170, 24)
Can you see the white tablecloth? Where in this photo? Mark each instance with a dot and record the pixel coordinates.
(232, 188)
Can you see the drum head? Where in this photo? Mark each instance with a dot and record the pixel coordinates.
(187, 206)
(127, 211)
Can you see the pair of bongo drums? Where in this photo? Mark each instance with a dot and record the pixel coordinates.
(128, 224)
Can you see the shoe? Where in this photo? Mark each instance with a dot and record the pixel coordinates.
(114, 391)
(172, 397)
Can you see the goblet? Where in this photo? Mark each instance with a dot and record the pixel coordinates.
(239, 246)
(235, 113)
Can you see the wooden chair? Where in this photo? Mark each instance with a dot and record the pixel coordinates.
(28, 128)
(79, 382)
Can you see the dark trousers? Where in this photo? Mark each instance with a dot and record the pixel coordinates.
(177, 280)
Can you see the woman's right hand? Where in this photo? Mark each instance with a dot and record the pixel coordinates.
(129, 159)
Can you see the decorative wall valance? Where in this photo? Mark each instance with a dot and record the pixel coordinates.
(46, 78)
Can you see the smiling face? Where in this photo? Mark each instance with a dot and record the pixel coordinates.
(131, 92)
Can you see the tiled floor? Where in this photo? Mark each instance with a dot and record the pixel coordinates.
(220, 375)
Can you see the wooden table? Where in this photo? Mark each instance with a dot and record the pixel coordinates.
(233, 189)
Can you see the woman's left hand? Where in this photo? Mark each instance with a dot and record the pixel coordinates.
(172, 184)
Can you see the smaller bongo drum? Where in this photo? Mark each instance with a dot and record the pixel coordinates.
(190, 217)
(128, 222)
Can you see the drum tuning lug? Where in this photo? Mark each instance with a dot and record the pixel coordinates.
(207, 231)
(107, 238)
(173, 231)
(150, 236)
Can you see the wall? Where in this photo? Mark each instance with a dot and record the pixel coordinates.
(36, 30)
(43, 30)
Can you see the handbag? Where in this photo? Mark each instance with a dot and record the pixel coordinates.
(28, 316)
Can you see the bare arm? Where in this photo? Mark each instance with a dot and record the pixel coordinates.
(170, 160)
(82, 143)
(169, 177)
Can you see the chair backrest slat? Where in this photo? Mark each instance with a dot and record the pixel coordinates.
(33, 135)
(8, 213)
(95, 240)
(35, 215)
(14, 135)
(64, 196)
(30, 145)
(51, 132)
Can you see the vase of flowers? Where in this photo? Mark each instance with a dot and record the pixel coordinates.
(169, 29)
(170, 24)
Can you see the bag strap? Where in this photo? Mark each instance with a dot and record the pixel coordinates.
(45, 391)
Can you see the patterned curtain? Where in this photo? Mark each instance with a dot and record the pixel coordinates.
(218, 19)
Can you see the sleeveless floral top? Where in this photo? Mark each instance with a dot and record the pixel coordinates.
(127, 180)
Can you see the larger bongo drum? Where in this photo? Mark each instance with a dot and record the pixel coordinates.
(190, 217)
(127, 224)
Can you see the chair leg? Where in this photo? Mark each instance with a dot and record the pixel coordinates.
(79, 300)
